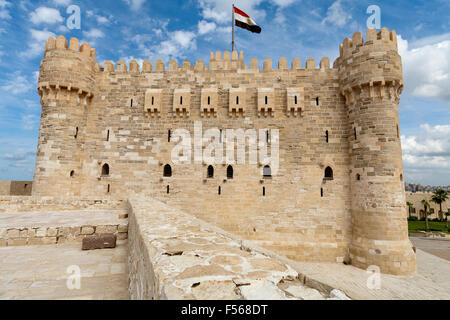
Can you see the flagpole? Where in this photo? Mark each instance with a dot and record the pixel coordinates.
(232, 38)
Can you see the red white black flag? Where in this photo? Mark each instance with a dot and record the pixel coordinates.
(244, 21)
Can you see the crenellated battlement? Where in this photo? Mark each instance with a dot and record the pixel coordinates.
(61, 43)
(384, 37)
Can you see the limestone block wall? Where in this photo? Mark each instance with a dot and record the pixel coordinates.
(174, 256)
(46, 204)
(16, 188)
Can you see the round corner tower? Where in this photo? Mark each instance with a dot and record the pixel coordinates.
(371, 80)
(66, 85)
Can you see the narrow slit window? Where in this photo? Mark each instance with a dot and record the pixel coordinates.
(209, 101)
(295, 100)
(321, 192)
(264, 191)
(221, 136)
(358, 177)
(230, 172)
(237, 100)
(266, 100)
(153, 101)
(167, 171)
(76, 132)
(105, 170)
(317, 101)
(354, 131)
(327, 135)
(210, 172)
(107, 136)
(109, 188)
(169, 135)
(72, 174)
(131, 103)
(168, 189)
(267, 136)
(267, 172)
(220, 190)
(181, 100)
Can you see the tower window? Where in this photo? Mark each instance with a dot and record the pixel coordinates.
(181, 100)
(131, 103)
(230, 172)
(167, 171)
(76, 133)
(354, 131)
(237, 100)
(317, 101)
(169, 135)
(210, 172)
(295, 100)
(109, 189)
(168, 189)
(107, 136)
(267, 136)
(327, 136)
(358, 177)
(220, 190)
(267, 172)
(401, 177)
(264, 191)
(221, 135)
(321, 192)
(329, 173)
(105, 170)
(209, 101)
(72, 174)
(266, 100)
(153, 101)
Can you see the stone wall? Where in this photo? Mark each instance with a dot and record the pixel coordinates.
(45, 204)
(173, 255)
(16, 188)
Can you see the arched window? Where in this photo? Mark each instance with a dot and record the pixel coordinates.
(167, 171)
(329, 173)
(358, 177)
(267, 172)
(210, 172)
(105, 170)
(230, 172)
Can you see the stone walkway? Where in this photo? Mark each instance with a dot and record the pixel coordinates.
(431, 282)
(40, 272)
(437, 247)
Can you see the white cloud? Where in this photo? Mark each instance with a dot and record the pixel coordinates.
(4, 13)
(37, 43)
(62, 2)
(100, 19)
(205, 27)
(135, 5)
(426, 66)
(29, 121)
(17, 84)
(430, 148)
(46, 15)
(284, 3)
(93, 34)
(337, 15)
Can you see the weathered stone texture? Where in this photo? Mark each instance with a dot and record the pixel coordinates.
(107, 132)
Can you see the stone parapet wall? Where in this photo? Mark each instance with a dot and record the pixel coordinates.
(43, 204)
(173, 255)
(22, 236)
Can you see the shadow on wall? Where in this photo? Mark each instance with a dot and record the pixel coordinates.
(16, 188)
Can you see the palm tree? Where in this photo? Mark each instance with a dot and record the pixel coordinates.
(439, 196)
(426, 205)
(410, 207)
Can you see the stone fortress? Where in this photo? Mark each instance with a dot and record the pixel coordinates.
(338, 195)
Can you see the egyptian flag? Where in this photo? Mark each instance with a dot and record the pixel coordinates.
(244, 21)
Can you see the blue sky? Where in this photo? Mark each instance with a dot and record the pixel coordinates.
(190, 29)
